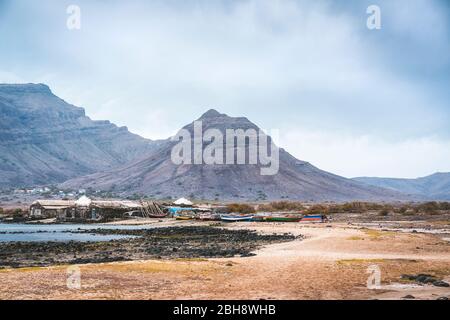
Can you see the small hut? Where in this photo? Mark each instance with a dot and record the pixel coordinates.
(51, 208)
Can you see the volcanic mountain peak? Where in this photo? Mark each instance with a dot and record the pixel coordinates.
(156, 175)
(212, 113)
(213, 119)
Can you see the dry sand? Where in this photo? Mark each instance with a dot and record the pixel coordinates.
(331, 263)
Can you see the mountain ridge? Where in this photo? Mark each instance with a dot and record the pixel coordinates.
(433, 187)
(45, 140)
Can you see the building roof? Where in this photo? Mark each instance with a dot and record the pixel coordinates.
(61, 204)
(126, 204)
(55, 207)
(54, 203)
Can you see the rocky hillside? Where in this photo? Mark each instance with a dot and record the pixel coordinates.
(45, 140)
(433, 187)
(158, 176)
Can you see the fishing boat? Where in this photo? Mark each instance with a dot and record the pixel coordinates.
(283, 219)
(314, 218)
(209, 216)
(236, 217)
(184, 216)
(258, 218)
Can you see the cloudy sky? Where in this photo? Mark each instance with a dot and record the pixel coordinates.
(350, 100)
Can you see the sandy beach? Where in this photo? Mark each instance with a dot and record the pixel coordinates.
(330, 263)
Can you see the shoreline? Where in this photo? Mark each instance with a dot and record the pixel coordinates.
(329, 263)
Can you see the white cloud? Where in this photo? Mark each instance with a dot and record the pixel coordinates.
(354, 156)
(154, 66)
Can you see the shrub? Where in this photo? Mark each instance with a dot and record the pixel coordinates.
(240, 208)
(383, 212)
(317, 209)
(444, 205)
(354, 207)
(409, 212)
(429, 207)
(282, 206)
(401, 210)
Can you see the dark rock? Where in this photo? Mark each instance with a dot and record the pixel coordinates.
(159, 243)
(440, 283)
(408, 297)
(425, 279)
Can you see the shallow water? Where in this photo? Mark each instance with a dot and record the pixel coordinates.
(58, 232)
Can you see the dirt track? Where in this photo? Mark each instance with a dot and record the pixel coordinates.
(330, 264)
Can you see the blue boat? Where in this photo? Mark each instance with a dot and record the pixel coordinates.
(314, 218)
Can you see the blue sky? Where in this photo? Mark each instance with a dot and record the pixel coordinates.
(350, 100)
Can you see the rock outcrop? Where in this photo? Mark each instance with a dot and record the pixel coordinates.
(44, 140)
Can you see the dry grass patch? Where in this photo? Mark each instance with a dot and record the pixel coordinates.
(355, 238)
(359, 261)
(185, 267)
(376, 234)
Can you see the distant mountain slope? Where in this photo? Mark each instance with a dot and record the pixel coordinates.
(435, 186)
(156, 175)
(45, 140)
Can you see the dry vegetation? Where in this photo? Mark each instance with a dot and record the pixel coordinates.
(282, 206)
(18, 212)
(382, 209)
(240, 208)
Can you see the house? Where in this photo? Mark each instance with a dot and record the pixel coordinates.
(50, 208)
(87, 209)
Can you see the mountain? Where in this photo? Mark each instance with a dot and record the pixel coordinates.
(44, 140)
(156, 175)
(435, 186)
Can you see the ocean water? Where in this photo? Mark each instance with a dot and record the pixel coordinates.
(58, 232)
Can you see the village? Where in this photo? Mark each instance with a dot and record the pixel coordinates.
(87, 210)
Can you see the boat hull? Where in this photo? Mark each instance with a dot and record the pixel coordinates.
(184, 218)
(313, 218)
(231, 218)
(282, 219)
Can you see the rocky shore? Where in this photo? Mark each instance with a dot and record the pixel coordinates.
(156, 243)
